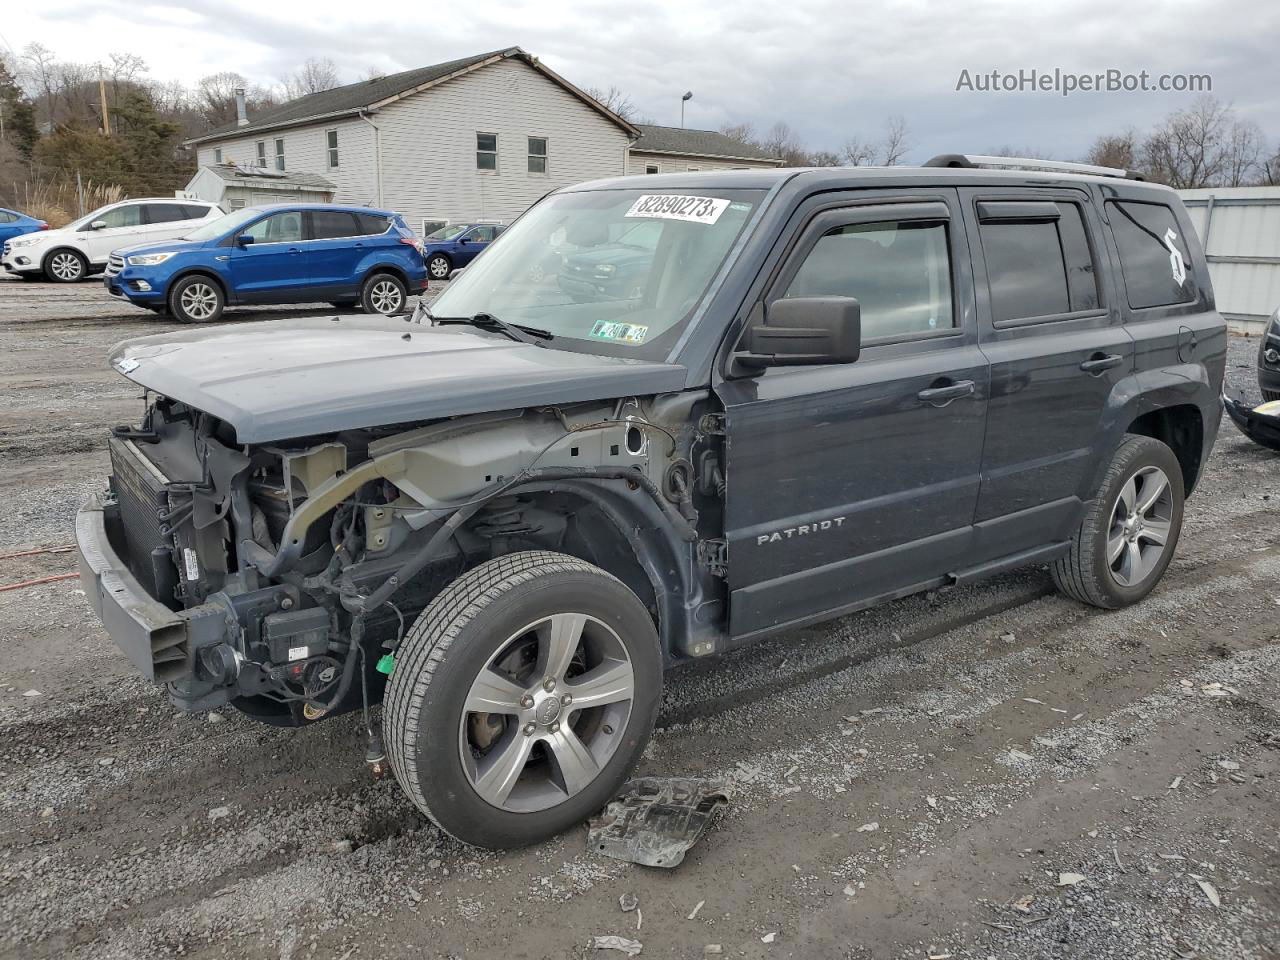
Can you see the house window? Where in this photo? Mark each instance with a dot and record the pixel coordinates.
(217, 155)
(279, 154)
(331, 141)
(236, 203)
(262, 153)
(537, 154)
(651, 168)
(486, 151)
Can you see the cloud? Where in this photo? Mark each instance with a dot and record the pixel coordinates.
(830, 68)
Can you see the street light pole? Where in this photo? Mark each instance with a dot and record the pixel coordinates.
(683, 100)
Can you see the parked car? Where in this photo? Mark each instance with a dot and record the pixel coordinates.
(83, 246)
(15, 224)
(278, 254)
(836, 387)
(1269, 359)
(453, 247)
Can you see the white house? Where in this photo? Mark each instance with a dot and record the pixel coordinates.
(480, 138)
(233, 185)
(677, 149)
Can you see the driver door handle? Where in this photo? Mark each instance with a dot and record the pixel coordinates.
(943, 394)
(1099, 363)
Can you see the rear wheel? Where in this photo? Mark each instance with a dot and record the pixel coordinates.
(65, 266)
(439, 267)
(383, 293)
(522, 697)
(1127, 537)
(196, 300)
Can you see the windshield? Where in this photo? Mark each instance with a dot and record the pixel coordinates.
(605, 271)
(223, 225)
(446, 233)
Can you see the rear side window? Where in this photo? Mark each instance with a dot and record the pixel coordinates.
(1038, 264)
(332, 224)
(7, 217)
(1154, 257)
(369, 224)
(169, 212)
(196, 213)
(899, 272)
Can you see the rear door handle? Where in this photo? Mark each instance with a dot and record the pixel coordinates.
(295, 249)
(942, 395)
(1100, 363)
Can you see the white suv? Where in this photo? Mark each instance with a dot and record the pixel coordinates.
(83, 246)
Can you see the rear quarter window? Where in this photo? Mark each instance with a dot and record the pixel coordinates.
(1154, 258)
(369, 224)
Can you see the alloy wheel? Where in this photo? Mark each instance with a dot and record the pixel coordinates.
(439, 268)
(1141, 521)
(199, 301)
(65, 266)
(546, 713)
(385, 297)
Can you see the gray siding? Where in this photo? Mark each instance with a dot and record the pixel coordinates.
(429, 145)
(304, 150)
(670, 163)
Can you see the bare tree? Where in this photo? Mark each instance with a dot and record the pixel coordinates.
(314, 76)
(896, 142)
(887, 151)
(1187, 149)
(783, 142)
(1115, 150)
(615, 100)
(1243, 149)
(39, 70)
(741, 132)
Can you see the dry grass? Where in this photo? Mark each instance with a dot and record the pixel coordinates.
(56, 202)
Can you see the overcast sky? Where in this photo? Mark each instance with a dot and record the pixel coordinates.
(829, 68)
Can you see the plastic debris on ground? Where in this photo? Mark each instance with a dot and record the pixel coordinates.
(654, 820)
(630, 947)
(1261, 424)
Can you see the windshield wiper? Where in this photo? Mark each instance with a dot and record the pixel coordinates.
(487, 321)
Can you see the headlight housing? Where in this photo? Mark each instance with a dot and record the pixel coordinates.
(148, 259)
(24, 241)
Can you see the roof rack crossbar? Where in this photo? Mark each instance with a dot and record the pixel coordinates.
(1027, 163)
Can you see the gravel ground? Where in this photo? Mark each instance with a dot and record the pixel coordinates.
(912, 781)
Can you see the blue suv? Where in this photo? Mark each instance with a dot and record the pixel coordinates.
(453, 247)
(275, 254)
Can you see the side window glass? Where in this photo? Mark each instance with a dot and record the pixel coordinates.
(332, 224)
(370, 225)
(1154, 258)
(898, 270)
(130, 216)
(7, 217)
(1025, 269)
(482, 234)
(166, 212)
(277, 228)
(1082, 274)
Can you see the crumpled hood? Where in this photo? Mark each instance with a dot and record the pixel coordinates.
(292, 378)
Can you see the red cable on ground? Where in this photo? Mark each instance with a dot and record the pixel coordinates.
(31, 553)
(37, 582)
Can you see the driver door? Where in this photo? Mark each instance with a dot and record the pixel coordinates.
(472, 243)
(274, 267)
(848, 483)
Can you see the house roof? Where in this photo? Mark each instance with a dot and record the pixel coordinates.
(696, 143)
(369, 95)
(253, 176)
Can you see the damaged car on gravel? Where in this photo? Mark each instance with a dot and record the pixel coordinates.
(505, 518)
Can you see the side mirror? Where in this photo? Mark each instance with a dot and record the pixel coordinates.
(244, 239)
(464, 239)
(98, 225)
(805, 331)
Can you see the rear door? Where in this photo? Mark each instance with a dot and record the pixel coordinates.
(851, 482)
(333, 252)
(171, 221)
(273, 268)
(1057, 345)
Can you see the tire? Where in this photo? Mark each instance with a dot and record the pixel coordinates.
(65, 265)
(196, 299)
(439, 267)
(498, 616)
(385, 294)
(1092, 571)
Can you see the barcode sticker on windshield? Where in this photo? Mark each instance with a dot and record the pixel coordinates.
(674, 206)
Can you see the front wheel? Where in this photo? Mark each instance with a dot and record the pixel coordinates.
(383, 293)
(65, 266)
(196, 300)
(521, 698)
(1127, 537)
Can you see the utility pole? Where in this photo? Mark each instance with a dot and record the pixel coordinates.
(102, 95)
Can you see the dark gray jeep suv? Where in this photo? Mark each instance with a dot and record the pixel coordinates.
(505, 518)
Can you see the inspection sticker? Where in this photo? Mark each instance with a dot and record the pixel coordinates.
(675, 206)
(623, 332)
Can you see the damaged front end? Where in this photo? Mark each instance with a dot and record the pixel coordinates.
(275, 576)
(1261, 424)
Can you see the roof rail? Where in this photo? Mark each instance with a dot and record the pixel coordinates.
(1027, 163)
